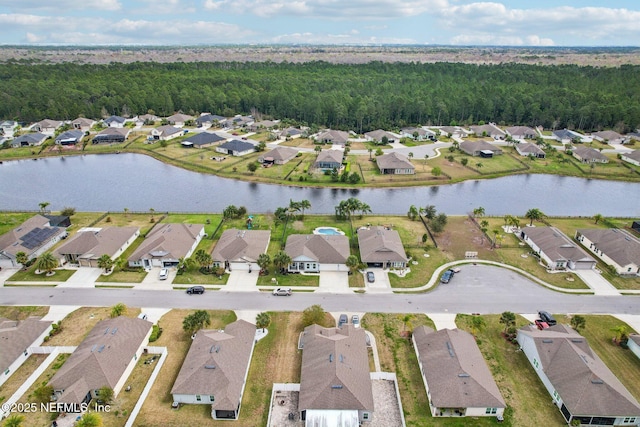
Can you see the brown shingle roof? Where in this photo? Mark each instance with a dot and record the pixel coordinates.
(168, 241)
(526, 148)
(394, 160)
(587, 153)
(335, 369)
(378, 244)
(634, 155)
(521, 130)
(456, 372)
(617, 244)
(281, 153)
(584, 382)
(335, 136)
(94, 244)
(333, 156)
(241, 245)
(217, 363)
(102, 357)
(555, 244)
(17, 336)
(471, 147)
(317, 247)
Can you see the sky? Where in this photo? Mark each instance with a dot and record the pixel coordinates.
(361, 22)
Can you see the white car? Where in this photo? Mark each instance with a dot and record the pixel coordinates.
(282, 291)
(164, 274)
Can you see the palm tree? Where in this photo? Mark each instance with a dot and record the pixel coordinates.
(424, 165)
(118, 310)
(370, 150)
(263, 320)
(479, 165)
(281, 260)
(478, 212)
(89, 419)
(477, 324)
(598, 217)
(152, 211)
(188, 263)
(203, 258)
(353, 263)
(43, 206)
(410, 155)
(578, 322)
(622, 333)
(406, 321)
(126, 212)
(317, 149)
(14, 420)
(21, 258)
(47, 262)
(263, 262)
(304, 204)
(534, 214)
(508, 319)
(413, 212)
(105, 262)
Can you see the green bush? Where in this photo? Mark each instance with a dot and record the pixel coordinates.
(155, 333)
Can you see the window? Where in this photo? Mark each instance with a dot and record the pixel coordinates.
(490, 411)
(211, 399)
(536, 364)
(629, 420)
(365, 415)
(198, 398)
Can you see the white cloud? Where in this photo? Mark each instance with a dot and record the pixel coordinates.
(59, 6)
(328, 38)
(165, 7)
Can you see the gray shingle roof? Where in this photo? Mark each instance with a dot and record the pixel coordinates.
(172, 240)
(330, 156)
(378, 244)
(204, 138)
(471, 147)
(217, 363)
(179, 118)
(29, 236)
(521, 130)
(526, 148)
(335, 136)
(320, 248)
(102, 357)
(335, 369)
(555, 244)
(237, 145)
(587, 153)
(74, 134)
(114, 119)
(241, 245)
(393, 160)
(94, 244)
(17, 336)
(30, 138)
(619, 245)
(281, 153)
(456, 372)
(634, 155)
(584, 382)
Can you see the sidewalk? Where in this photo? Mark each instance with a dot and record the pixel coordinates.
(599, 284)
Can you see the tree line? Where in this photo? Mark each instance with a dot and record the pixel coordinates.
(354, 97)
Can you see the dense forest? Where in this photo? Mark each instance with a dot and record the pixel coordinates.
(355, 97)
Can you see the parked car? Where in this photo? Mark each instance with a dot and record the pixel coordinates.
(195, 290)
(546, 317)
(355, 321)
(447, 276)
(342, 320)
(371, 277)
(282, 292)
(541, 325)
(164, 273)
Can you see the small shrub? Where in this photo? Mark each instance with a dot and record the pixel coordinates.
(108, 219)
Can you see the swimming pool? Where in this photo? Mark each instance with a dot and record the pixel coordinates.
(328, 231)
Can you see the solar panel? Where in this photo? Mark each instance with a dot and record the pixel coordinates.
(37, 237)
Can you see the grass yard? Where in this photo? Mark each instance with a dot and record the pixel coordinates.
(20, 376)
(194, 277)
(423, 174)
(299, 142)
(288, 280)
(143, 221)
(30, 275)
(454, 169)
(528, 402)
(22, 312)
(497, 164)
(9, 221)
(123, 276)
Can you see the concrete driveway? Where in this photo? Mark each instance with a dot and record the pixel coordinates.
(381, 283)
(85, 277)
(242, 281)
(334, 281)
(152, 280)
(6, 273)
(595, 281)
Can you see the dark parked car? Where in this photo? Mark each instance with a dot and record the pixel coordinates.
(195, 290)
(546, 317)
(371, 277)
(343, 320)
(447, 276)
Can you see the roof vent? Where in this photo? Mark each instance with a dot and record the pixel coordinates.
(100, 349)
(341, 359)
(337, 386)
(114, 331)
(576, 340)
(94, 348)
(597, 381)
(464, 375)
(209, 366)
(547, 341)
(330, 357)
(106, 331)
(451, 353)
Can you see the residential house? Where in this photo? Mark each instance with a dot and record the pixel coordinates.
(239, 121)
(329, 160)
(240, 249)
(567, 136)
(556, 250)
(312, 253)
(262, 125)
(395, 163)
(615, 247)
(202, 139)
(236, 147)
(58, 220)
(578, 381)
(455, 375)
(528, 149)
(381, 247)
(115, 121)
(278, 156)
(89, 244)
(111, 135)
(632, 157)
(8, 128)
(634, 344)
(207, 120)
(333, 137)
(29, 139)
(179, 119)
(83, 124)
(454, 131)
(589, 155)
(166, 132)
(147, 119)
(105, 358)
(70, 137)
(216, 368)
(166, 244)
(335, 383)
(609, 136)
(418, 133)
(290, 132)
(33, 237)
(522, 132)
(46, 126)
(17, 338)
(480, 148)
(379, 135)
(490, 130)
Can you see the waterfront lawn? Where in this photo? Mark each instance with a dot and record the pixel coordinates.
(82, 219)
(371, 174)
(528, 403)
(308, 223)
(214, 221)
(496, 165)
(141, 220)
(461, 236)
(30, 275)
(454, 169)
(9, 221)
(19, 153)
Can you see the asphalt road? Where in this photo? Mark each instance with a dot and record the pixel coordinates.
(477, 289)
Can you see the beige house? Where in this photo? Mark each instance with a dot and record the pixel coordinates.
(615, 247)
(312, 253)
(165, 244)
(335, 383)
(480, 149)
(555, 249)
(333, 137)
(33, 237)
(329, 160)
(609, 136)
(178, 120)
(166, 132)
(455, 375)
(105, 358)
(578, 381)
(17, 338)
(83, 124)
(395, 163)
(530, 150)
(379, 135)
(522, 132)
(215, 369)
(278, 156)
(490, 130)
(240, 249)
(46, 126)
(89, 244)
(381, 247)
(589, 155)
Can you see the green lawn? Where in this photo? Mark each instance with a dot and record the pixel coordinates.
(288, 280)
(9, 221)
(124, 276)
(30, 276)
(194, 277)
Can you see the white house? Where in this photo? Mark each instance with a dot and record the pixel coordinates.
(634, 344)
(313, 253)
(556, 250)
(166, 132)
(615, 247)
(633, 157)
(89, 244)
(46, 126)
(240, 249)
